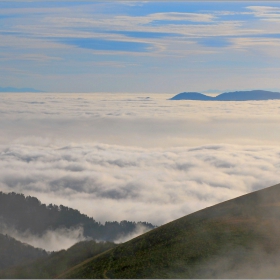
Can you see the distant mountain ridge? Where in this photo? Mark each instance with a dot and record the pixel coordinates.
(12, 89)
(229, 96)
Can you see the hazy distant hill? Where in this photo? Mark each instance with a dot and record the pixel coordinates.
(29, 214)
(235, 239)
(57, 262)
(12, 89)
(191, 96)
(229, 96)
(13, 252)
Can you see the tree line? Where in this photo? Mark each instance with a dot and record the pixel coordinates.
(26, 213)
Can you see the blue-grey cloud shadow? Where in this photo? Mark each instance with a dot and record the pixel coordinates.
(214, 42)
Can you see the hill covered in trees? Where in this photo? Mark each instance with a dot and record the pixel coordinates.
(29, 214)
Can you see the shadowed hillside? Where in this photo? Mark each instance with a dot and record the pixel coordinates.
(57, 262)
(238, 238)
(14, 252)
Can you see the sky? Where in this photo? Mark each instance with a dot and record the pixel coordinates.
(139, 46)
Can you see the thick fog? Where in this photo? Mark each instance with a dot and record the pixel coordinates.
(136, 157)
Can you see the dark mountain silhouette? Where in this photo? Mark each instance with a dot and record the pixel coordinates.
(229, 96)
(13, 252)
(238, 238)
(29, 214)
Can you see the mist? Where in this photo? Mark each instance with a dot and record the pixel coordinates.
(51, 240)
(139, 230)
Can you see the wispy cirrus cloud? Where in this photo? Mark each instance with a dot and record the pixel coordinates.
(147, 36)
(268, 13)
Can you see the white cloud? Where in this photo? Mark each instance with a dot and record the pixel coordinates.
(268, 13)
(156, 185)
(126, 119)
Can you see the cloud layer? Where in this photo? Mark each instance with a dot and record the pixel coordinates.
(145, 120)
(136, 157)
(157, 185)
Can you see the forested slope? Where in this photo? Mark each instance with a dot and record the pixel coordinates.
(29, 214)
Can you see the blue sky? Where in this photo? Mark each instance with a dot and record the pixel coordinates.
(139, 46)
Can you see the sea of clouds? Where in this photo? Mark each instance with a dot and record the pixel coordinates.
(116, 182)
(136, 157)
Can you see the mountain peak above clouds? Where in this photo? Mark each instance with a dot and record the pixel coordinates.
(229, 96)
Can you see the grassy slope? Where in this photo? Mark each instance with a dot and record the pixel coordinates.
(58, 262)
(236, 238)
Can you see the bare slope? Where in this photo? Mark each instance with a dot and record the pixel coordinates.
(238, 238)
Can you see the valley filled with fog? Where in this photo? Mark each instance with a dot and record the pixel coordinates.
(138, 157)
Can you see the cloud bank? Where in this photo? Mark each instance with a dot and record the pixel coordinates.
(145, 120)
(110, 182)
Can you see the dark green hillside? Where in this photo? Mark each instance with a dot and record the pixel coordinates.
(238, 238)
(26, 213)
(58, 262)
(14, 252)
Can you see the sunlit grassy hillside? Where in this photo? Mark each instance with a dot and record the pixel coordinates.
(238, 238)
